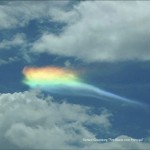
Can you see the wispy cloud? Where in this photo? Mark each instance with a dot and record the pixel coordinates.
(18, 14)
(16, 40)
(13, 45)
(8, 60)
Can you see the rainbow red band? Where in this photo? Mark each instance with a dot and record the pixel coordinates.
(57, 79)
(50, 76)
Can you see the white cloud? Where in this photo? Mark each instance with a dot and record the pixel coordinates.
(15, 43)
(17, 14)
(8, 60)
(67, 63)
(16, 40)
(100, 31)
(120, 145)
(95, 30)
(30, 121)
(27, 121)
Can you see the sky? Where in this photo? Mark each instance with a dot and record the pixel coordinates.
(74, 75)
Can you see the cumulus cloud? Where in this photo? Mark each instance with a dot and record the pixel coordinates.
(27, 121)
(100, 31)
(94, 31)
(120, 143)
(30, 121)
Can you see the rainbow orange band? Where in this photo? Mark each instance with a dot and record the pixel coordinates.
(50, 76)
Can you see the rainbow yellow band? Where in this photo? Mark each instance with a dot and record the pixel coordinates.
(50, 76)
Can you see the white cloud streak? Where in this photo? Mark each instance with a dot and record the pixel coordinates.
(16, 40)
(8, 60)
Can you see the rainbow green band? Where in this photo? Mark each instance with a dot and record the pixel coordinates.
(50, 76)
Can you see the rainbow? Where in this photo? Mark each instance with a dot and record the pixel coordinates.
(65, 81)
(50, 76)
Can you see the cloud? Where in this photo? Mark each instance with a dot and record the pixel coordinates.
(30, 121)
(100, 31)
(119, 144)
(67, 63)
(16, 43)
(17, 40)
(8, 60)
(18, 14)
(27, 121)
(14, 16)
(94, 31)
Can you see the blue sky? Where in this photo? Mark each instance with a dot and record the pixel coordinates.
(107, 41)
